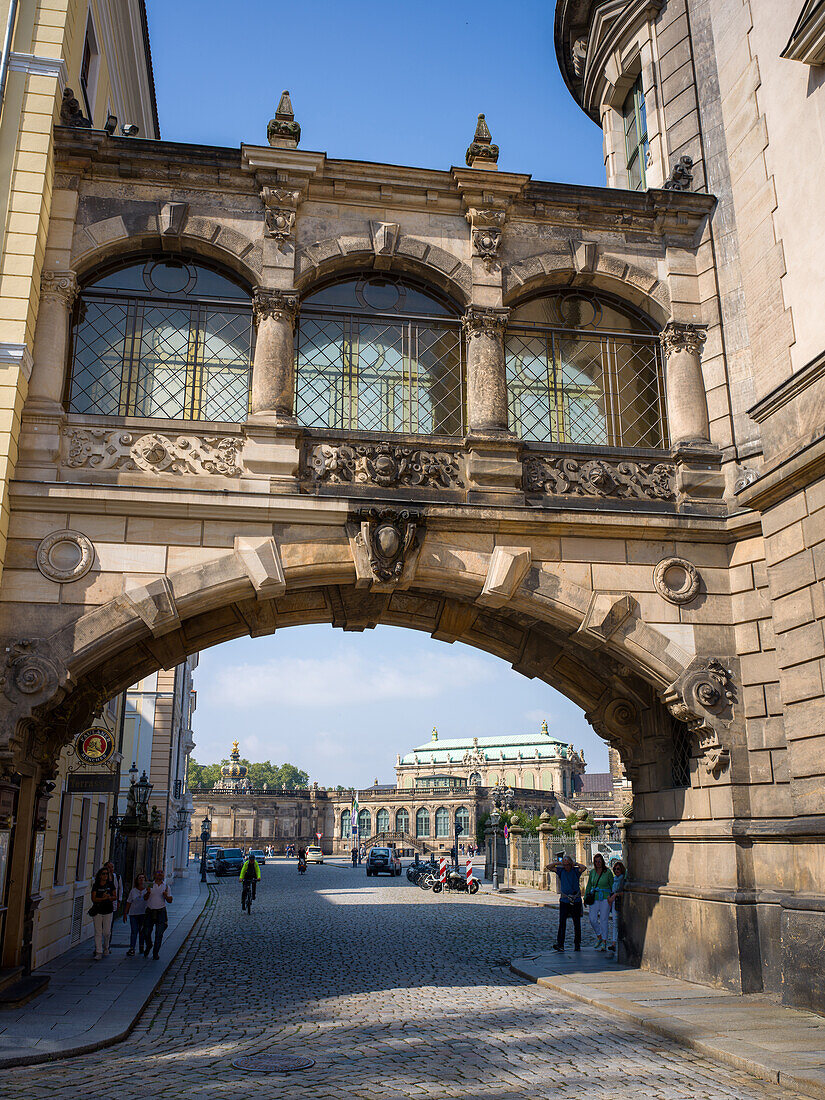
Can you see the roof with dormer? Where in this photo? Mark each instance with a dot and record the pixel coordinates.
(509, 747)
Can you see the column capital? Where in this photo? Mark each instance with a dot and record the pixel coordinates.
(676, 336)
(280, 305)
(59, 284)
(485, 321)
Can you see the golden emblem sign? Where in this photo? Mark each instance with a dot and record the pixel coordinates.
(95, 745)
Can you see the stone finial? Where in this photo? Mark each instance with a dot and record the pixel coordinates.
(283, 132)
(435, 734)
(544, 728)
(482, 153)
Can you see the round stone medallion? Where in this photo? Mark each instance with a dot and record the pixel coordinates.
(65, 556)
(676, 580)
(272, 1063)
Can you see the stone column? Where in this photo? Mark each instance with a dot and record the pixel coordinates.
(584, 831)
(545, 855)
(58, 291)
(273, 370)
(687, 406)
(486, 379)
(516, 833)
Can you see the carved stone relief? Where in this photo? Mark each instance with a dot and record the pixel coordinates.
(487, 225)
(702, 697)
(105, 449)
(676, 580)
(281, 206)
(65, 556)
(28, 676)
(388, 535)
(385, 464)
(598, 478)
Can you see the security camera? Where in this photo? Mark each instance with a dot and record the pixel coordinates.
(130, 129)
(111, 124)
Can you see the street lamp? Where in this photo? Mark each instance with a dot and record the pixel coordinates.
(181, 815)
(143, 788)
(204, 842)
(495, 817)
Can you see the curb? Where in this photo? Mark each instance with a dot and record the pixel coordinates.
(72, 1048)
(759, 1064)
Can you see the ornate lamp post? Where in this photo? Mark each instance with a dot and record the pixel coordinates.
(495, 816)
(501, 797)
(143, 788)
(204, 842)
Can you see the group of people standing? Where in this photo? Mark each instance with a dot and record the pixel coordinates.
(602, 894)
(145, 909)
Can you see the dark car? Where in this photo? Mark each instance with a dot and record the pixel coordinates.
(228, 861)
(383, 861)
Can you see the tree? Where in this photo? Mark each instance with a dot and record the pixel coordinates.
(260, 774)
(204, 775)
(291, 777)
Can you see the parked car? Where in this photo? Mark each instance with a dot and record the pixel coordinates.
(259, 855)
(383, 861)
(314, 854)
(228, 861)
(210, 857)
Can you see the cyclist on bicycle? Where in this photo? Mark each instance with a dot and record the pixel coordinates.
(250, 876)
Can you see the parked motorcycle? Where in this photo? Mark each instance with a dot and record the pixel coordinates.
(457, 883)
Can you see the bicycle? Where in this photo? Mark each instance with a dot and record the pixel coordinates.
(247, 896)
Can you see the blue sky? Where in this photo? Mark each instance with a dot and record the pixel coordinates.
(395, 82)
(400, 83)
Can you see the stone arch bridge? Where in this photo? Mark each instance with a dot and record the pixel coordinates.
(605, 560)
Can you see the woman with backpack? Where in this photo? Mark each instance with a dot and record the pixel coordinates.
(597, 898)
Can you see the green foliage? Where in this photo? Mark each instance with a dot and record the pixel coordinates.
(286, 776)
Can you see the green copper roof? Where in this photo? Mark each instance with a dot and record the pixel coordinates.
(524, 746)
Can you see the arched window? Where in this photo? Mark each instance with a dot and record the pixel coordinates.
(475, 779)
(583, 369)
(442, 821)
(382, 821)
(422, 822)
(364, 823)
(402, 821)
(165, 337)
(346, 824)
(462, 820)
(564, 784)
(378, 354)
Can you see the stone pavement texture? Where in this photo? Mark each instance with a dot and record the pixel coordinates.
(395, 992)
(754, 1032)
(88, 1003)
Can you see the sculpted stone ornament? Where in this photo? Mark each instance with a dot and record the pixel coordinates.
(487, 225)
(599, 478)
(703, 698)
(388, 534)
(485, 321)
(676, 580)
(747, 476)
(389, 465)
(681, 175)
(279, 305)
(482, 147)
(283, 131)
(281, 210)
(28, 676)
(676, 336)
(105, 449)
(61, 285)
(70, 112)
(65, 556)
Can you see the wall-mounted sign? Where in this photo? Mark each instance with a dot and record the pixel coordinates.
(92, 783)
(94, 746)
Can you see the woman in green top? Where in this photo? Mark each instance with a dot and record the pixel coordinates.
(599, 887)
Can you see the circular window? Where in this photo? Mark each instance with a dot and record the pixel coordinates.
(169, 276)
(577, 311)
(380, 294)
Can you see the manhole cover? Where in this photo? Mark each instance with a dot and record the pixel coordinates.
(272, 1063)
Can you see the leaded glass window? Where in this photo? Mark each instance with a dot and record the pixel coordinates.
(422, 822)
(442, 822)
(462, 820)
(634, 117)
(165, 338)
(346, 824)
(364, 823)
(582, 369)
(377, 354)
(382, 821)
(402, 821)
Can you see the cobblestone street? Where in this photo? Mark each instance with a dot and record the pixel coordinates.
(393, 991)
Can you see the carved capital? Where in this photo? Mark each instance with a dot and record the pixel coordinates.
(678, 337)
(277, 305)
(702, 697)
(485, 321)
(60, 285)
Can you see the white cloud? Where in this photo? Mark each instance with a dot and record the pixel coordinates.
(344, 679)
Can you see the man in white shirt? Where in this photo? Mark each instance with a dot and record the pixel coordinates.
(118, 881)
(157, 896)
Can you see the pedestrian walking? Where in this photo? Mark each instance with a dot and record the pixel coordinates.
(157, 897)
(104, 896)
(118, 881)
(597, 899)
(615, 900)
(354, 857)
(568, 875)
(362, 854)
(135, 910)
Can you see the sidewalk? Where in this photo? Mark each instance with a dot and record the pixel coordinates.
(88, 1004)
(753, 1033)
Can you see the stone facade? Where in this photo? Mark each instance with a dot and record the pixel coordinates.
(662, 568)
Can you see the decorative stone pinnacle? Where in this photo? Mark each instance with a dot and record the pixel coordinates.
(283, 131)
(482, 147)
(676, 336)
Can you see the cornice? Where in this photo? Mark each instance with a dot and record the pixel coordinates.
(36, 65)
(787, 474)
(788, 389)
